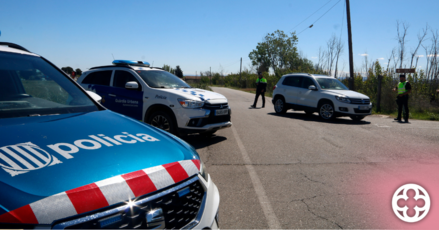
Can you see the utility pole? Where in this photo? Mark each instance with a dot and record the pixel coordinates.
(210, 75)
(240, 69)
(351, 57)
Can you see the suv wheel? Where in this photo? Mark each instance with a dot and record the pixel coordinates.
(279, 106)
(357, 118)
(326, 110)
(162, 120)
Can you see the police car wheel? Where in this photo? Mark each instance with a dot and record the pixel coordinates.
(326, 111)
(357, 118)
(162, 121)
(279, 106)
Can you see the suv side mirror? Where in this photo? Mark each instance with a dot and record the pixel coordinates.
(131, 85)
(312, 87)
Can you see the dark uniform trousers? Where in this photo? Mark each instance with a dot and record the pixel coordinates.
(403, 102)
(258, 92)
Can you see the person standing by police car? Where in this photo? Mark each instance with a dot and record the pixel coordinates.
(403, 88)
(261, 88)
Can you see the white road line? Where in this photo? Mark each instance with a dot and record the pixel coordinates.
(272, 220)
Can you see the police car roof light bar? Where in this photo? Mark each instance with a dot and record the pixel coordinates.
(129, 62)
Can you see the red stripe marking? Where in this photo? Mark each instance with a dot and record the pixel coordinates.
(197, 163)
(23, 215)
(176, 171)
(139, 182)
(87, 198)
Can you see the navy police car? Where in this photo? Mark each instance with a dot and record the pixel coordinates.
(157, 97)
(67, 162)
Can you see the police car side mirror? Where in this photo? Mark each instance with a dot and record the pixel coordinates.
(312, 87)
(131, 85)
(95, 96)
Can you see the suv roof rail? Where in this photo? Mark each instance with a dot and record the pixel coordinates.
(13, 45)
(111, 66)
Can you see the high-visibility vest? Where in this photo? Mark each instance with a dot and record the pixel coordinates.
(401, 87)
(261, 80)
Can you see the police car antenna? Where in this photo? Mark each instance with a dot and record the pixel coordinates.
(113, 56)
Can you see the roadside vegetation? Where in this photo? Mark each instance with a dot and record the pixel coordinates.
(278, 55)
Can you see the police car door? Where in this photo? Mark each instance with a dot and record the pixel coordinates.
(99, 82)
(126, 101)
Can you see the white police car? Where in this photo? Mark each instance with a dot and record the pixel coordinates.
(67, 162)
(157, 97)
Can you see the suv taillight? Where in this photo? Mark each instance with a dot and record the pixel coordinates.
(274, 87)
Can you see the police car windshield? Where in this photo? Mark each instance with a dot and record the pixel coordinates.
(30, 86)
(161, 79)
(331, 83)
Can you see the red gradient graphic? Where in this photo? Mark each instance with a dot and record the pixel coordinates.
(383, 182)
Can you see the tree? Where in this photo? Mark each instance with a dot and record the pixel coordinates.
(68, 70)
(178, 72)
(168, 68)
(78, 72)
(276, 51)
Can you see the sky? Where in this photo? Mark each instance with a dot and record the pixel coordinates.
(198, 35)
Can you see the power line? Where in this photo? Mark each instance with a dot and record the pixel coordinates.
(320, 17)
(342, 19)
(311, 15)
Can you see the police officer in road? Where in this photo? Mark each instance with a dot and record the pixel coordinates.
(403, 88)
(261, 88)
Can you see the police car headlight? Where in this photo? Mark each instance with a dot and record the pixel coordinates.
(190, 104)
(343, 99)
(203, 171)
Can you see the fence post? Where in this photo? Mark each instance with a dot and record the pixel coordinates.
(380, 78)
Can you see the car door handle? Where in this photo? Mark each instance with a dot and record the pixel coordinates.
(111, 95)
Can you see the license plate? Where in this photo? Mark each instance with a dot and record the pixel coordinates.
(220, 112)
(364, 107)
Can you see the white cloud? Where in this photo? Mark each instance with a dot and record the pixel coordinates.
(419, 55)
(314, 57)
(380, 58)
(432, 55)
(363, 55)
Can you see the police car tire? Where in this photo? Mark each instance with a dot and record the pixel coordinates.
(357, 118)
(158, 117)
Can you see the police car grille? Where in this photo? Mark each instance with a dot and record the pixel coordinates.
(216, 106)
(180, 208)
(359, 101)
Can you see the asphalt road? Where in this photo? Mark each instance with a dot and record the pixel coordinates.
(297, 171)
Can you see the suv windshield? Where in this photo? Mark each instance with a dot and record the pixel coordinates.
(162, 79)
(30, 86)
(331, 83)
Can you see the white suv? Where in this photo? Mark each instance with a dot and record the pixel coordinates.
(319, 93)
(157, 97)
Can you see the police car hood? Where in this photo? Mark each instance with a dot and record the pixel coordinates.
(47, 155)
(347, 93)
(198, 94)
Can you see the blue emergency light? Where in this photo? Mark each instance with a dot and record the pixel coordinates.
(129, 62)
